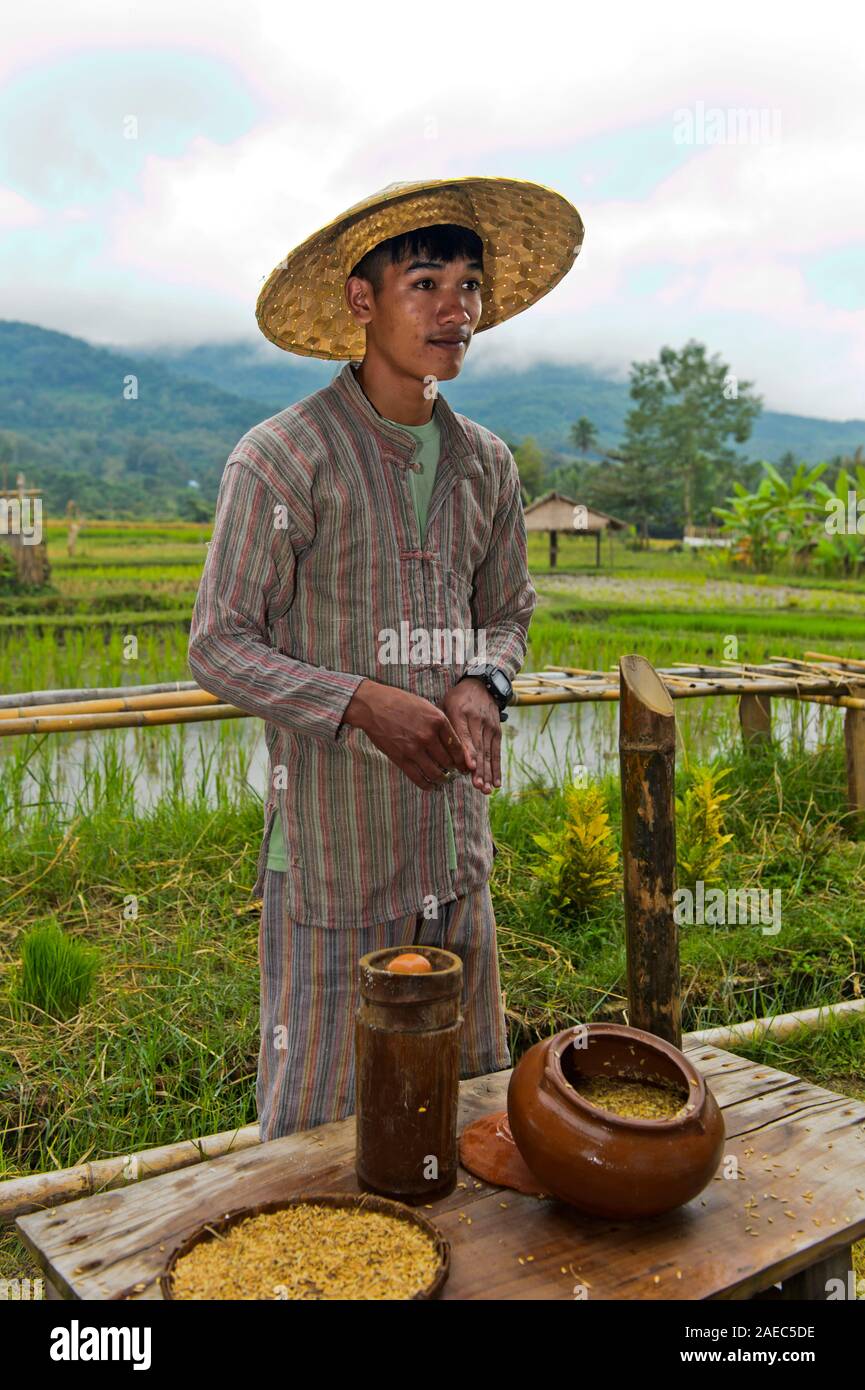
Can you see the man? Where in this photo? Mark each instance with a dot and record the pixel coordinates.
(354, 531)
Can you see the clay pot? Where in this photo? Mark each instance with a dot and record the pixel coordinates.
(605, 1164)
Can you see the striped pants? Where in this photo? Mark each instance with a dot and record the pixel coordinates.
(310, 992)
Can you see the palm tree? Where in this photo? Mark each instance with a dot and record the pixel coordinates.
(584, 434)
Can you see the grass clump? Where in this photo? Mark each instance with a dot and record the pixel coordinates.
(56, 972)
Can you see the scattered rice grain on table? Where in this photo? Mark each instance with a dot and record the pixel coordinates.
(310, 1252)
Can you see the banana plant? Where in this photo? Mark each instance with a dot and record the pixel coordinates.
(841, 546)
(781, 518)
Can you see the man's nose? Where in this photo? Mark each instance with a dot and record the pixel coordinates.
(454, 309)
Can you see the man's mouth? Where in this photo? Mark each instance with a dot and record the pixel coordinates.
(451, 343)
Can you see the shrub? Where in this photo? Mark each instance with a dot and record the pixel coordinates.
(582, 865)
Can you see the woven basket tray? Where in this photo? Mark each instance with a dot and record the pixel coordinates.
(367, 1200)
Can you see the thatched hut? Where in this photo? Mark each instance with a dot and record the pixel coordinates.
(555, 512)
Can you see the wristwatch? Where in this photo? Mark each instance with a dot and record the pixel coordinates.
(496, 681)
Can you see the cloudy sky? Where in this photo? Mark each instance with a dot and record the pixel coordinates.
(158, 159)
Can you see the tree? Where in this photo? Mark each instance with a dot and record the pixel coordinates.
(634, 488)
(584, 434)
(686, 408)
(530, 464)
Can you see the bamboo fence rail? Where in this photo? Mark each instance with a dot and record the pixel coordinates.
(816, 679)
(831, 680)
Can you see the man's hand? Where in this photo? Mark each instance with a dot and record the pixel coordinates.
(475, 716)
(414, 733)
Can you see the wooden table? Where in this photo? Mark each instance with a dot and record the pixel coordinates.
(800, 1152)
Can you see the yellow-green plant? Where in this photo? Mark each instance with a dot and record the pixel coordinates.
(581, 864)
(700, 837)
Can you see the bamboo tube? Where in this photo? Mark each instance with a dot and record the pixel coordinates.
(75, 723)
(34, 1193)
(181, 699)
(647, 754)
(50, 697)
(779, 1025)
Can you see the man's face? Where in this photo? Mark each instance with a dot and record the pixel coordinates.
(423, 316)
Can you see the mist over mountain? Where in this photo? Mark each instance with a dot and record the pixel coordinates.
(127, 432)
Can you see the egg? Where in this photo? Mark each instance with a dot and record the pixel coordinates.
(409, 963)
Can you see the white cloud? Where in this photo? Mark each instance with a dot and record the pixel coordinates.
(16, 211)
(349, 98)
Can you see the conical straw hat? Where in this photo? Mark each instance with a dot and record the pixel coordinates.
(531, 236)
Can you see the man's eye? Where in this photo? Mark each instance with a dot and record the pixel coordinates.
(426, 280)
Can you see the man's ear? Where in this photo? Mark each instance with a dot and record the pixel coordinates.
(360, 298)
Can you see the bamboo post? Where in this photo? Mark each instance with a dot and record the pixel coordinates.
(854, 745)
(647, 754)
(755, 718)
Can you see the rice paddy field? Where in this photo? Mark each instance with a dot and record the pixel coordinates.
(140, 845)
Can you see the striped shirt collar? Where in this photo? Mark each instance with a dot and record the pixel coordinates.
(455, 441)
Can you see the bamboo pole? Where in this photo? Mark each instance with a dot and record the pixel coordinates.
(40, 1190)
(647, 753)
(50, 697)
(837, 660)
(779, 1025)
(840, 701)
(75, 723)
(181, 699)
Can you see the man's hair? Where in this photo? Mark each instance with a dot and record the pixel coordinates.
(443, 242)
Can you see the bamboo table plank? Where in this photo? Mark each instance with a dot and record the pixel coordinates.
(800, 1149)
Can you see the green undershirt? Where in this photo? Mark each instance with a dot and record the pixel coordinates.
(421, 484)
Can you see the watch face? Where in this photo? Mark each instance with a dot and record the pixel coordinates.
(500, 681)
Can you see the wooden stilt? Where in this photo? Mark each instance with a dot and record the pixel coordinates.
(755, 718)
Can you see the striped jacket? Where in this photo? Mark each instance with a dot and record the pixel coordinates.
(315, 555)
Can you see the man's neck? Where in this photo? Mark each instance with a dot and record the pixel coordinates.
(397, 398)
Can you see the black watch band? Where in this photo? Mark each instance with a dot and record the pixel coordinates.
(485, 673)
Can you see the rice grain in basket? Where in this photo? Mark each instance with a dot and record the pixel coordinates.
(326, 1248)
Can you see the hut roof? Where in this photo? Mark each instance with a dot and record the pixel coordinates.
(555, 512)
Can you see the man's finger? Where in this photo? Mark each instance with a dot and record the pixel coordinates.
(496, 747)
(453, 749)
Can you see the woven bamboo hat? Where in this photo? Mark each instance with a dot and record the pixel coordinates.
(531, 237)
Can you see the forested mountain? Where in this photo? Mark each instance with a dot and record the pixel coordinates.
(125, 432)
